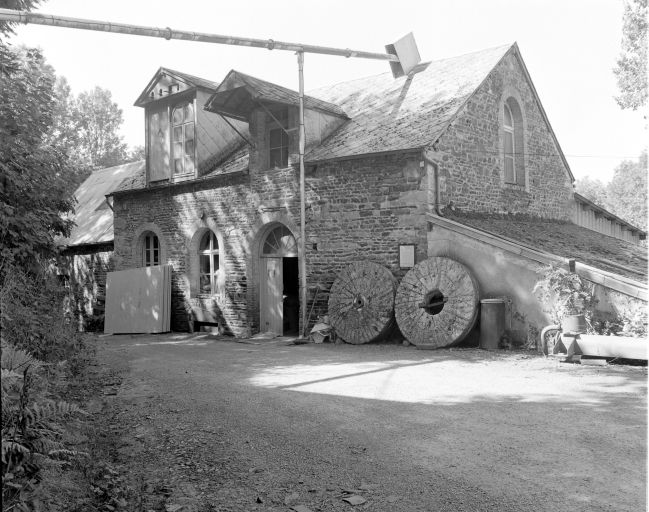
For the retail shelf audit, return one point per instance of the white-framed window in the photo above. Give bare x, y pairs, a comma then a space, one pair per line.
513, 152
150, 250
183, 146
208, 263
278, 141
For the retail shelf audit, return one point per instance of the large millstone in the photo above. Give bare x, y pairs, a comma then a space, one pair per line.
361, 302
437, 303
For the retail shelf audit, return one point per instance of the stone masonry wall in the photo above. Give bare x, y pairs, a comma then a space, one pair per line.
86, 270
470, 153
358, 209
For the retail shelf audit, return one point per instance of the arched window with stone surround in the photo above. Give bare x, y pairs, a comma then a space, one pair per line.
208, 264
513, 142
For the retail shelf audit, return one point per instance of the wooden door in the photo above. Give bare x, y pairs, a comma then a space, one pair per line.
272, 291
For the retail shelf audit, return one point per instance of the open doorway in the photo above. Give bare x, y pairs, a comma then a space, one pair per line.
291, 297
279, 283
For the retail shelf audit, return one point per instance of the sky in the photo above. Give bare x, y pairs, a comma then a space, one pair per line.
569, 46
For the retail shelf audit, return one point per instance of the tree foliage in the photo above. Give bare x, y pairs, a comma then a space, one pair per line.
625, 195
593, 189
627, 191
98, 120
33, 188
631, 69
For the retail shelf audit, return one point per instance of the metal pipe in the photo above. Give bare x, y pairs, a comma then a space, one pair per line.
438, 195
302, 248
168, 33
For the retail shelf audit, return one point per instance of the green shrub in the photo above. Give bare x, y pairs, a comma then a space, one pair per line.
563, 293
33, 427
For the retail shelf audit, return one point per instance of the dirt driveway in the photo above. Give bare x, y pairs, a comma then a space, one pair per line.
213, 424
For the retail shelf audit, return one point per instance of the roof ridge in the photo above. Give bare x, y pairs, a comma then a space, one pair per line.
142, 160
188, 75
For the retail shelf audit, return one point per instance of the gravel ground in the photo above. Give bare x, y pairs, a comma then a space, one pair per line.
208, 423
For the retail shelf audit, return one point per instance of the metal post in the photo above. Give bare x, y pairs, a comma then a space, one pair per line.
302, 248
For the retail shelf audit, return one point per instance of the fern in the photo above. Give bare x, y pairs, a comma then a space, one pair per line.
66, 454
41, 412
12, 448
16, 359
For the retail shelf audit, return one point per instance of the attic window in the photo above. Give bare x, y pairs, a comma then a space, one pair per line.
183, 147
278, 138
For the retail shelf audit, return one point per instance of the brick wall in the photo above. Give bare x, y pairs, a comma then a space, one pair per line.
470, 153
355, 209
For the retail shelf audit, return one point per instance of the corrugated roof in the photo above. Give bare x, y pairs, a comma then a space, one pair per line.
564, 239
410, 112
93, 217
265, 91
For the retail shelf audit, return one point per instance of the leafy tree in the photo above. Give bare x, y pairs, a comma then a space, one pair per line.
136, 154
32, 183
592, 189
627, 191
631, 69
98, 120
64, 135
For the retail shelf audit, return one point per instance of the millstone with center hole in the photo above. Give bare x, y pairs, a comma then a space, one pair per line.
361, 302
437, 303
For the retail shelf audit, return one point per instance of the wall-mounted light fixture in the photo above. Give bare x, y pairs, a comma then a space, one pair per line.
406, 255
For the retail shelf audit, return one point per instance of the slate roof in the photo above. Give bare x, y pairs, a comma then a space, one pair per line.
389, 114
564, 239
229, 95
93, 217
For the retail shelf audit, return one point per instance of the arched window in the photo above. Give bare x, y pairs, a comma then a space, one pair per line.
514, 162
183, 139
150, 249
280, 243
208, 255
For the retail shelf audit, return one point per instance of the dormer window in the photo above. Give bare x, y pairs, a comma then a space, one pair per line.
278, 140
183, 147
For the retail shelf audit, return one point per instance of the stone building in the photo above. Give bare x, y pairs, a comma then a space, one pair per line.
419, 161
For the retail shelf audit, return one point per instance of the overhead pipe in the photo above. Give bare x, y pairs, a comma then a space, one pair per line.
169, 33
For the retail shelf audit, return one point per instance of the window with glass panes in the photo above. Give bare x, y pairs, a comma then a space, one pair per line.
208, 262
279, 141
151, 248
183, 146
510, 145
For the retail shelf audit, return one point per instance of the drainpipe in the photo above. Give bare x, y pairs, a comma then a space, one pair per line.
302, 248
438, 194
